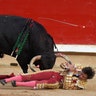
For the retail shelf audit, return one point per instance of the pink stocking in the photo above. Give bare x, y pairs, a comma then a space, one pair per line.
27, 84
16, 78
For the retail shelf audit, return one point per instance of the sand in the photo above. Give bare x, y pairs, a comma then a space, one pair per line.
86, 59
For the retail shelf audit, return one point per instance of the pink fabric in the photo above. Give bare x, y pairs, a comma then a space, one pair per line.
34, 83
27, 84
16, 78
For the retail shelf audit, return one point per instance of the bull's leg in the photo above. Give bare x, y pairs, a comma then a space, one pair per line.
23, 64
1, 54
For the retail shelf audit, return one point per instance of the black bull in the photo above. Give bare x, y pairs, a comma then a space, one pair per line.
39, 42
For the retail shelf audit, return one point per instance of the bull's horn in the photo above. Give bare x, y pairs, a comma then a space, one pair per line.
35, 58
64, 56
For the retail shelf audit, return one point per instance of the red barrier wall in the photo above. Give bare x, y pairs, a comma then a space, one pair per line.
68, 21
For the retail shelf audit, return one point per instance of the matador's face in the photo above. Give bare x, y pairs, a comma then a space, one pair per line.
83, 76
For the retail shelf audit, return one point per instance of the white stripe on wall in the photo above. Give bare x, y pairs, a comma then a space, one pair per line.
76, 48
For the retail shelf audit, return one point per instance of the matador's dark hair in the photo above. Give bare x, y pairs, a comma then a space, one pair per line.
89, 71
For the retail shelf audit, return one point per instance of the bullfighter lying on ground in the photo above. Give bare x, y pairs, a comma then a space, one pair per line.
72, 77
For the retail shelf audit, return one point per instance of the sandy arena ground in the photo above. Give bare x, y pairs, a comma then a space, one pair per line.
76, 58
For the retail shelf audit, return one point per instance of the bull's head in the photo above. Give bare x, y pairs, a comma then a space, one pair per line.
47, 61
44, 61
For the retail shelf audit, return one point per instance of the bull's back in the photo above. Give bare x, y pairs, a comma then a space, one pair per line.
10, 27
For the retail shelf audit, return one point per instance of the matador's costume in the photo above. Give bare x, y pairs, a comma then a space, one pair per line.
51, 79
47, 79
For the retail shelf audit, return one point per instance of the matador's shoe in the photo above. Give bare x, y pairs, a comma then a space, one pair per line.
3, 82
13, 83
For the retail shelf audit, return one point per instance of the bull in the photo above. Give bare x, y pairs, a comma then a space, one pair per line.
35, 42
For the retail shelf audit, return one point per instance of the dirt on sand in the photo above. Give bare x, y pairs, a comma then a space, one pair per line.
77, 58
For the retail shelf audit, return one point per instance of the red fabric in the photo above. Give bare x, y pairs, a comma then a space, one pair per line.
47, 76
6, 76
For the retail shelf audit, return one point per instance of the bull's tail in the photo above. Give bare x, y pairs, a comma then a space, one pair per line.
54, 45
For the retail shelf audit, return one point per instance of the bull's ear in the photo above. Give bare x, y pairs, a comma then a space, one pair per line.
48, 61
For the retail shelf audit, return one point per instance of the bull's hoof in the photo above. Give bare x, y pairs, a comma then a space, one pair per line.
13, 64
1, 55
